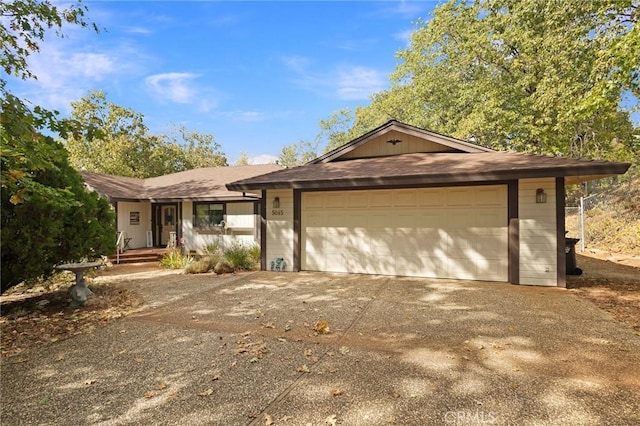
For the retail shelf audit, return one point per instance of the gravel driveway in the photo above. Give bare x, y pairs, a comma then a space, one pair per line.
322, 349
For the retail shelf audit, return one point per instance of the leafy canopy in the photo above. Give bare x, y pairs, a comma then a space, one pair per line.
116, 141
540, 76
46, 217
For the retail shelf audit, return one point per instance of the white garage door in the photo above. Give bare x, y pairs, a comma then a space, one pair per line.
457, 232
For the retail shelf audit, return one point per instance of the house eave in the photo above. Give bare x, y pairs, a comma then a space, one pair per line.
572, 175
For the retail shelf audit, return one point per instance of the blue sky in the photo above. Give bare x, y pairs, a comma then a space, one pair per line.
256, 75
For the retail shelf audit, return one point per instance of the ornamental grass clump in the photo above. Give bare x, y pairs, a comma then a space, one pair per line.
202, 265
239, 256
223, 260
174, 259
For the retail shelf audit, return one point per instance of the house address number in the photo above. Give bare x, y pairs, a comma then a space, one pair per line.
277, 212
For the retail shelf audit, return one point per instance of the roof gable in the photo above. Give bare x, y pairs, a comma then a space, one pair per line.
395, 138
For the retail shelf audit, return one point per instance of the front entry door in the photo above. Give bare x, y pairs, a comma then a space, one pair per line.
166, 221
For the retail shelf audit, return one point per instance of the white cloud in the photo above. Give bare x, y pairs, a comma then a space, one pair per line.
262, 159
347, 82
243, 116
297, 64
173, 86
66, 70
405, 36
359, 83
138, 30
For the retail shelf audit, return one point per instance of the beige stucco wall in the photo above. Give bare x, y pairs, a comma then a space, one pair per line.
137, 233
280, 227
240, 227
538, 233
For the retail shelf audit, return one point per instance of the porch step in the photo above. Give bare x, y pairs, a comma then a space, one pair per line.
139, 256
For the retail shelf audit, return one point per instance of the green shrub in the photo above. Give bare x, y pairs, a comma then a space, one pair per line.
239, 256
254, 253
174, 259
235, 257
202, 265
213, 248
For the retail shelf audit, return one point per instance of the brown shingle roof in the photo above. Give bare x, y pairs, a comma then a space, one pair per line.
429, 169
198, 184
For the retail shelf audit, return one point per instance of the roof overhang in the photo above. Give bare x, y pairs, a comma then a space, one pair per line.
423, 169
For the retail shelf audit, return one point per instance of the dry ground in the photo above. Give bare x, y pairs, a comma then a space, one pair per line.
31, 317
610, 285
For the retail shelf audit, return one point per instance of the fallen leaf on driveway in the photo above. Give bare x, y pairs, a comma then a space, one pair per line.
89, 382
149, 394
322, 327
331, 420
303, 368
268, 420
206, 393
161, 386
344, 350
336, 392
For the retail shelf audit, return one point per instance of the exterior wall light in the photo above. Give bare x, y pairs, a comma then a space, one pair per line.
276, 203
541, 196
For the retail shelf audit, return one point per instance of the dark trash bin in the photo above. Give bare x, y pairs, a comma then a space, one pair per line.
570, 250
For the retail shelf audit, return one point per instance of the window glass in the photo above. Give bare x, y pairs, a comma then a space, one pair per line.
208, 215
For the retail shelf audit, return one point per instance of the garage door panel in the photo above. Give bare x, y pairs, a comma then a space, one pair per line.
460, 197
431, 197
357, 199
380, 198
431, 220
460, 241
490, 196
490, 219
460, 219
381, 242
435, 232
406, 198
334, 262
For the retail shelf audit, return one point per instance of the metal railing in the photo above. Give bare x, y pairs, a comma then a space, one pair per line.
119, 245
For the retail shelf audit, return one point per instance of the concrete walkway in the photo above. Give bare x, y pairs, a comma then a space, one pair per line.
253, 349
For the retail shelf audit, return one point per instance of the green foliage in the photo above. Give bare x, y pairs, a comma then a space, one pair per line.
334, 132
234, 257
202, 265
254, 254
47, 215
539, 76
23, 27
239, 256
298, 154
116, 141
243, 160
174, 259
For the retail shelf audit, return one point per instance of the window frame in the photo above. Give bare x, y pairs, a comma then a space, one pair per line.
209, 227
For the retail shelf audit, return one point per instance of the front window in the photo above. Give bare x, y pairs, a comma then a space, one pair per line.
208, 215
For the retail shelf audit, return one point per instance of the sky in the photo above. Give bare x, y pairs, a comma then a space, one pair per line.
257, 75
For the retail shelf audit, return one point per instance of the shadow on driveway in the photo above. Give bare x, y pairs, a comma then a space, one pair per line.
245, 350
